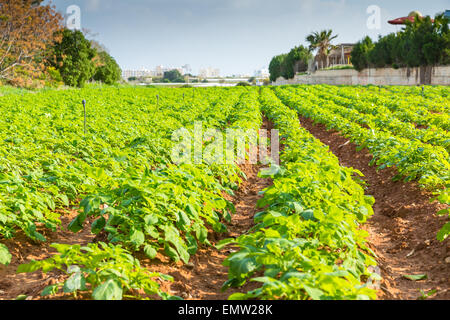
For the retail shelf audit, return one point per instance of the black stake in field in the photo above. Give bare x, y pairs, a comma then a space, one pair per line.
84, 107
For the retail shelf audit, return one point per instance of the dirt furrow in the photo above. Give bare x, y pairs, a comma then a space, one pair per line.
403, 229
23, 250
204, 276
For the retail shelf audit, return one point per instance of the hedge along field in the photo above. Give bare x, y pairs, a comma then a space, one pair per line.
307, 240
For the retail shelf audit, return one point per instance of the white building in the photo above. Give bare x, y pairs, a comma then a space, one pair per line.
262, 73
186, 69
143, 73
209, 73
157, 72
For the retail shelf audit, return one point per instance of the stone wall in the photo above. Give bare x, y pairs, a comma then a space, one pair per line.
383, 76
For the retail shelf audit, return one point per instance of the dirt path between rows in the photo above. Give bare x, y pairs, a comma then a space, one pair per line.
403, 229
204, 276
24, 250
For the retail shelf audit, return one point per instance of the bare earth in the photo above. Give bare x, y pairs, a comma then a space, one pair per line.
403, 229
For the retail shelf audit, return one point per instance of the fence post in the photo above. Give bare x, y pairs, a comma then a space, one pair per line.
84, 107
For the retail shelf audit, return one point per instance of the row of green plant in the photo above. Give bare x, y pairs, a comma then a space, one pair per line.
127, 181
436, 93
168, 209
49, 163
307, 242
413, 159
406, 108
381, 118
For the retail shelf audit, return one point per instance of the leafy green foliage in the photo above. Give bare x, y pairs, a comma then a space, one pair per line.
402, 148
122, 170
173, 76
444, 198
277, 66
73, 57
360, 53
421, 43
5, 256
108, 71
413, 159
307, 240
109, 272
286, 65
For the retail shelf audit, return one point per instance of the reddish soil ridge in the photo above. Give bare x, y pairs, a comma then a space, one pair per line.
204, 276
404, 227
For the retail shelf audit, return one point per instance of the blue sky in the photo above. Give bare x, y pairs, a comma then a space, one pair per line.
236, 36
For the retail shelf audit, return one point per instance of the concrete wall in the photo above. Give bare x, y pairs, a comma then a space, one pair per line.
383, 76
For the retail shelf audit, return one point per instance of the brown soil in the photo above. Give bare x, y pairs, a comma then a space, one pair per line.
203, 278
23, 251
403, 229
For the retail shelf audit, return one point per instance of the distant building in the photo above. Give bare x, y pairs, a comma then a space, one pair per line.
262, 73
159, 71
126, 74
186, 69
339, 56
447, 14
342, 54
209, 73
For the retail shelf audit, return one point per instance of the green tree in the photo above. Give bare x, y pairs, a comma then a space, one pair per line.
108, 71
360, 53
426, 42
173, 76
296, 61
385, 51
276, 66
321, 41
73, 57
420, 43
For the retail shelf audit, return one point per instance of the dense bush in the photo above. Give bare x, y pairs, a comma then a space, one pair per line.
108, 71
173, 76
422, 43
275, 66
287, 65
360, 53
73, 58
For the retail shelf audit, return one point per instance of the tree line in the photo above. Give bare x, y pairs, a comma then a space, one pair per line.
287, 65
36, 49
423, 42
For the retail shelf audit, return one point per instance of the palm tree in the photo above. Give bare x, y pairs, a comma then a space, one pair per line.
322, 42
